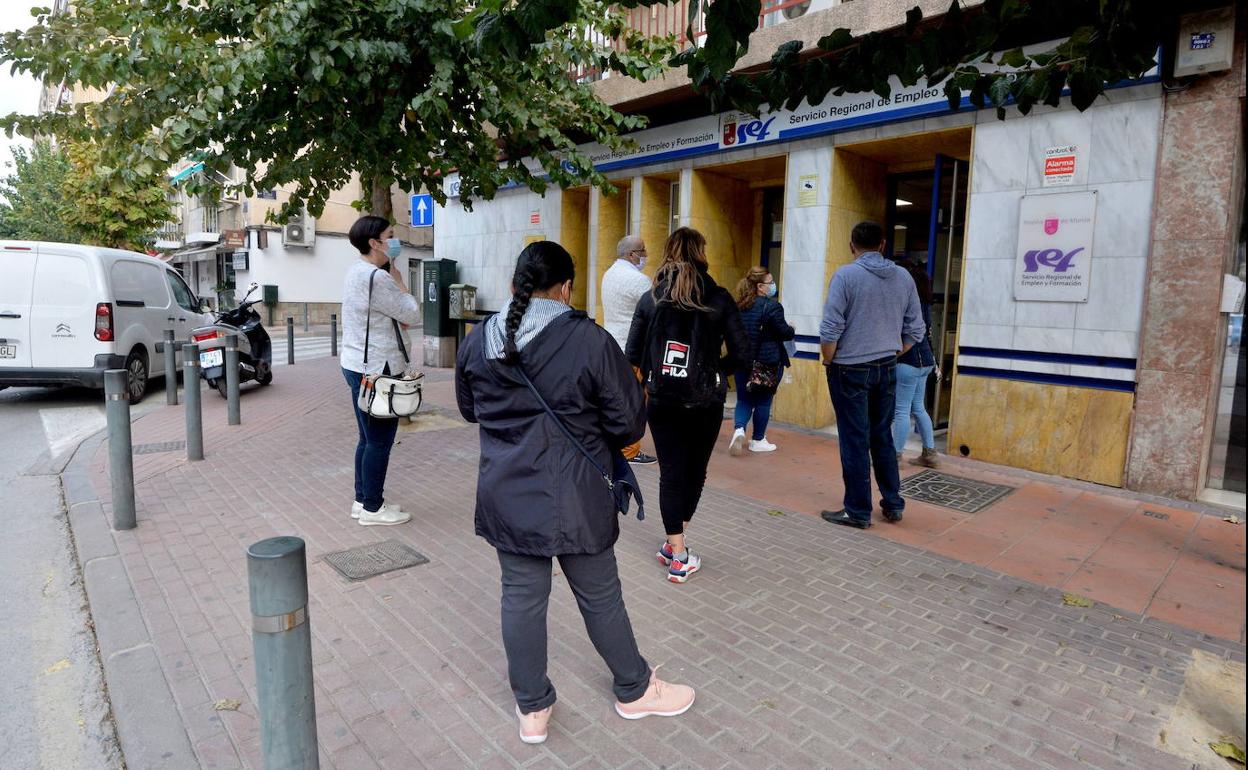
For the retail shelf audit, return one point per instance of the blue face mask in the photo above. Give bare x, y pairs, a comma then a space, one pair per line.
771, 289
393, 248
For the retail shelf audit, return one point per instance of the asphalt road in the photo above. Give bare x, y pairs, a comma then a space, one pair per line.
54, 712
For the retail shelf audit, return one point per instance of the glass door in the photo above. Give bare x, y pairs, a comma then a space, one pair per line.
946, 234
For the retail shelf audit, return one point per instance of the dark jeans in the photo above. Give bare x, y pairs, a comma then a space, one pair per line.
862, 395
372, 453
684, 440
595, 581
757, 405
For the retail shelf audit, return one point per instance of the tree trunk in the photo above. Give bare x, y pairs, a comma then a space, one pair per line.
379, 200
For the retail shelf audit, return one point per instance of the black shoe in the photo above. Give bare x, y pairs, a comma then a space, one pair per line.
644, 459
843, 518
893, 516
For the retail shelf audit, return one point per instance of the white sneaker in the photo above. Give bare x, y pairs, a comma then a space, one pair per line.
737, 444
762, 445
388, 514
357, 508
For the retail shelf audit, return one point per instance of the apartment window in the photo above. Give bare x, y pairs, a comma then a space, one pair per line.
673, 208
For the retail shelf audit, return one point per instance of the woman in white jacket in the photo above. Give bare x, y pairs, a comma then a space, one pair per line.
375, 301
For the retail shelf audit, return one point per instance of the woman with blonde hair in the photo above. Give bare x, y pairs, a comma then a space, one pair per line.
678, 331
757, 381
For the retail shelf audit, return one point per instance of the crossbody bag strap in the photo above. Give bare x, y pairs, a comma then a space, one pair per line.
368, 316
575, 441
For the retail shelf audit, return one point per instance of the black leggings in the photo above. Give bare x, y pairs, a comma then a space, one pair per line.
684, 439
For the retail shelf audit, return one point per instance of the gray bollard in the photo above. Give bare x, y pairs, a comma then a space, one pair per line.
232, 406
305, 317
333, 335
171, 368
277, 579
194, 408
120, 453
290, 341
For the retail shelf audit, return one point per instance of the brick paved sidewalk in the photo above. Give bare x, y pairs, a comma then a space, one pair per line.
810, 645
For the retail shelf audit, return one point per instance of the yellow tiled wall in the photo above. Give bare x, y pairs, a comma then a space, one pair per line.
655, 218
805, 400
722, 209
1079, 433
612, 226
574, 236
859, 191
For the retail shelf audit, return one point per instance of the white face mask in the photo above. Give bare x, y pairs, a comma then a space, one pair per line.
641, 262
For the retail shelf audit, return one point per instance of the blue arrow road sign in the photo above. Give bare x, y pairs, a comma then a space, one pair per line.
422, 210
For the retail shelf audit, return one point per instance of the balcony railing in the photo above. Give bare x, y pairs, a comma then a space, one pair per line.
673, 19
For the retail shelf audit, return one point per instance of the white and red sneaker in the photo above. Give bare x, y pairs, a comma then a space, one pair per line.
679, 571
665, 554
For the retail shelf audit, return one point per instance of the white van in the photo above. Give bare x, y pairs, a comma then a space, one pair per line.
70, 312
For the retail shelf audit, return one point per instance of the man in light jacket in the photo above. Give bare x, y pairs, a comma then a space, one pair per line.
622, 287
871, 316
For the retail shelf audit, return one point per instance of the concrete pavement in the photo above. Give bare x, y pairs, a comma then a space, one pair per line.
810, 645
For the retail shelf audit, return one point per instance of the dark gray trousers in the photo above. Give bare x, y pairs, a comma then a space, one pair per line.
595, 582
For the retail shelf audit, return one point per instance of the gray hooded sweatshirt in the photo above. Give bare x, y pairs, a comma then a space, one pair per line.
872, 307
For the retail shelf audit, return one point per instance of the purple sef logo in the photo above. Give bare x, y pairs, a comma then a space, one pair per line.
1055, 258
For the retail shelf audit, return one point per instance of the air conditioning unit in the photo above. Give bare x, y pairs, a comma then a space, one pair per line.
300, 231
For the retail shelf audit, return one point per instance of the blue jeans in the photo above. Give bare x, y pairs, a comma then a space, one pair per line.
372, 453
756, 405
862, 396
911, 393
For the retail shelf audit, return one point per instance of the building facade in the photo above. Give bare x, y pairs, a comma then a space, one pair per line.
1078, 259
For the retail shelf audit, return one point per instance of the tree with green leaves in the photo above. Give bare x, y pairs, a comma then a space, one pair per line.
308, 93
59, 192
35, 207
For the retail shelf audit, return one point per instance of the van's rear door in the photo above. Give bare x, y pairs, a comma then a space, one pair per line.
17, 277
62, 321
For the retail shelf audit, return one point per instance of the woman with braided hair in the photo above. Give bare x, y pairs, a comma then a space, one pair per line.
538, 497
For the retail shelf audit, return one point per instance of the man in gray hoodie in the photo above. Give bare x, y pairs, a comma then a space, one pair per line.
871, 316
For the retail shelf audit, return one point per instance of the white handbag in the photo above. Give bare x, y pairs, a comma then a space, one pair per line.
385, 395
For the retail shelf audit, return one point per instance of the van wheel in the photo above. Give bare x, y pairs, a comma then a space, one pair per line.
136, 375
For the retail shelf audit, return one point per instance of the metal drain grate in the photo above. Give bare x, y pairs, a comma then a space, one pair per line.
164, 446
1157, 515
375, 559
966, 495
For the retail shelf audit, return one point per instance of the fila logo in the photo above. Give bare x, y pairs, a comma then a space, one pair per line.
675, 360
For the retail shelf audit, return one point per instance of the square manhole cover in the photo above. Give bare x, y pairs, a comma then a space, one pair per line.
164, 446
966, 495
374, 559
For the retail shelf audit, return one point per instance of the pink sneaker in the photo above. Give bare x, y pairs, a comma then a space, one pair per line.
662, 699
665, 554
533, 725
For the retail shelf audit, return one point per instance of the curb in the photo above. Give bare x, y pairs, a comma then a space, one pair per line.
149, 728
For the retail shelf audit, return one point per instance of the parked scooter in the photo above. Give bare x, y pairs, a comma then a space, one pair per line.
255, 349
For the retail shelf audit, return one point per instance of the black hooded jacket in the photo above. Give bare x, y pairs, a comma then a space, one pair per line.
536, 494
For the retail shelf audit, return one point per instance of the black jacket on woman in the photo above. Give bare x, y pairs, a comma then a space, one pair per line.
658, 325
768, 331
536, 494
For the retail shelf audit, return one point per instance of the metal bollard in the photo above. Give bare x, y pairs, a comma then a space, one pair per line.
290, 341
333, 335
305, 317
232, 407
120, 453
277, 579
171, 368
194, 408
